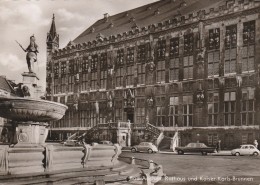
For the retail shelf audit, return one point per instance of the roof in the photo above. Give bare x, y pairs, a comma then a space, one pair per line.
5, 85
52, 34
144, 16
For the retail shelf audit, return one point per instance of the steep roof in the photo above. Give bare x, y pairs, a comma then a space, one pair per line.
5, 85
143, 16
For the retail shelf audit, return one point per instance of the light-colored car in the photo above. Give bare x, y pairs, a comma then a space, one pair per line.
106, 142
72, 142
246, 150
145, 147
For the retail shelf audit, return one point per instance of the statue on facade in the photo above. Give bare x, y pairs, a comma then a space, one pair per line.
31, 55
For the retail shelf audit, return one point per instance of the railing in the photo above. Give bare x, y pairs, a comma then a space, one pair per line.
159, 139
153, 129
112, 125
175, 141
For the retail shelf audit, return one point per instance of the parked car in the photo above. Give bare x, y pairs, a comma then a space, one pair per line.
246, 150
145, 147
106, 142
72, 142
195, 148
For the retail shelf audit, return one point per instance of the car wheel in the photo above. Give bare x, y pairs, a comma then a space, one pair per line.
133, 150
255, 154
204, 153
237, 154
150, 151
180, 152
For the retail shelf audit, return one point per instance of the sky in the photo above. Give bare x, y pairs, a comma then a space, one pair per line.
19, 19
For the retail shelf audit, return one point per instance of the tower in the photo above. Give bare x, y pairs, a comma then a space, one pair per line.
52, 38
52, 44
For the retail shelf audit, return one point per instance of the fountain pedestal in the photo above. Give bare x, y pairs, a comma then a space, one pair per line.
31, 133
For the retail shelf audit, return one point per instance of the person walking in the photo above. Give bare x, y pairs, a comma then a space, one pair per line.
218, 148
256, 143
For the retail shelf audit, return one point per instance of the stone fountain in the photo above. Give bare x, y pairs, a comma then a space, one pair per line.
29, 160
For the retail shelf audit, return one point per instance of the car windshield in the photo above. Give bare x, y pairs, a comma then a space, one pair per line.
191, 145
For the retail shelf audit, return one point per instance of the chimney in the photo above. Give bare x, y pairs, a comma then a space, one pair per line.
106, 15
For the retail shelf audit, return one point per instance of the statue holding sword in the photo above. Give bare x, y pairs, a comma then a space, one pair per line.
31, 55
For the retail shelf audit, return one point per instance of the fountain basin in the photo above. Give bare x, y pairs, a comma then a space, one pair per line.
28, 109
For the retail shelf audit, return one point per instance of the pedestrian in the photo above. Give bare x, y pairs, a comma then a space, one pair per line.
218, 148
256, 143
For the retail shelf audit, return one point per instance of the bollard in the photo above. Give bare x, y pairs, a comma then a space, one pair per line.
151, 165
133, 160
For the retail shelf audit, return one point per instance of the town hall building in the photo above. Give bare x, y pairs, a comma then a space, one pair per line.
186, 66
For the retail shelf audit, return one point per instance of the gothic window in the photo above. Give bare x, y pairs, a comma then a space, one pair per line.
174, 69
187, 111
174, 61
141, 73
249, 32
213, 83
118, 110
188, 44
229, 108
130, 75
83, 118
71, 67
213, 53
103, 79
94, 62
120, 57
213, 63
56, 86
188, 67
247, 108
214, 37
93, 80
103, 61
119, 76
173, 112
213, 109
71, 84
56, 70
230, 49
102, 112
93, 114
140, 110
63, 68
161, 49
85, 65
188, 56
130, 55
160, 77
174, 47
84, 83
160, 111
142, 53
248, 49
63, 84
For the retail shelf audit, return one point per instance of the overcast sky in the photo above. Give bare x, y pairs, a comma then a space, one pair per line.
19, 19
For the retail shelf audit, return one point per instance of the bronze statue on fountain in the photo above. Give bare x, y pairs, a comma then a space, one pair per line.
31, 55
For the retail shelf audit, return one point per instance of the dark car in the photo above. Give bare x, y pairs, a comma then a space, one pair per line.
195, 148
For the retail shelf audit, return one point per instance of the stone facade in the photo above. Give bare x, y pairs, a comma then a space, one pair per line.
197, 73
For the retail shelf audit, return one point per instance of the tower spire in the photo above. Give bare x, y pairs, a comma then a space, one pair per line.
53, 28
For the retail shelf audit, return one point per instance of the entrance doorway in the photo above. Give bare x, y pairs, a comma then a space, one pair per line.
130, 116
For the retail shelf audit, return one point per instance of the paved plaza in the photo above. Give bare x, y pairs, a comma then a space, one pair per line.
216, 169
